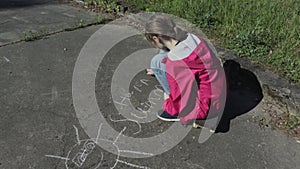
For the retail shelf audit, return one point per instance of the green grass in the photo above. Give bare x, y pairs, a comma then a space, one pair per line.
76, 26
265, 31
31, 36
108, 5
292, 121
98, 20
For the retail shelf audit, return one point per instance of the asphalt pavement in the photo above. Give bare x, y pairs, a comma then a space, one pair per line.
40, 127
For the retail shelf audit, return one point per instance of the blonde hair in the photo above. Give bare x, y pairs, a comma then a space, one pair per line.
162, 25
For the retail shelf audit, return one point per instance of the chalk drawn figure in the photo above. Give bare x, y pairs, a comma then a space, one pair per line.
86, 154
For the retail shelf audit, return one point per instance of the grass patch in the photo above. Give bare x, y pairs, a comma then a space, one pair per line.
288, 123
266, 32
98, 20
108, 6
292, 121
31, 36
77, 26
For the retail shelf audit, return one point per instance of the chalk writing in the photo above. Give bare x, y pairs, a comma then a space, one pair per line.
144, 81
124, 97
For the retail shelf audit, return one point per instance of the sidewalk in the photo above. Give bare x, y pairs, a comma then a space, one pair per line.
38, 115
38, 19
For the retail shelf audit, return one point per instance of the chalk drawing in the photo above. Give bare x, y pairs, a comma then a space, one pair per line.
54, 95
151, 102
125, 101
90, 144
139, 117
81, 156
144, 81
138, 85
145, 108
124, 97
77, 134
122, 120
6, 59
136, 88
54, 92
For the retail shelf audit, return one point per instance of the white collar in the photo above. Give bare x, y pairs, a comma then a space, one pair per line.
184, 48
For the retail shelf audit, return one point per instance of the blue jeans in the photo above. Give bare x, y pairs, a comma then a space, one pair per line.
159, 70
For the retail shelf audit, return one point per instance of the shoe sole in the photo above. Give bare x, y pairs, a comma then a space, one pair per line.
165, 119
195, 125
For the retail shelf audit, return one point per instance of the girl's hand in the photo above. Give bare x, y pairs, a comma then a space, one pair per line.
166, 96
149, 72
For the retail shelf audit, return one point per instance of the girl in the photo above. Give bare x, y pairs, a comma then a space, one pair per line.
190, 74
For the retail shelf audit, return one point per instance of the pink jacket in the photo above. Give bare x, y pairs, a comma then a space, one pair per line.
196, 79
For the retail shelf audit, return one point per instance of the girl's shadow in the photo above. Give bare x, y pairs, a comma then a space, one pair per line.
244, 93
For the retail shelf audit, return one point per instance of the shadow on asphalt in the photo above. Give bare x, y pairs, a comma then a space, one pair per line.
244, 93
7, 4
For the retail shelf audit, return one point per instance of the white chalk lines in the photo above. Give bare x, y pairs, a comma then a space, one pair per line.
88, 146
77, 157
125, 100
122, 120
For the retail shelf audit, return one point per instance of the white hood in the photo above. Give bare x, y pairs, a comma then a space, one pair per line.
184, 48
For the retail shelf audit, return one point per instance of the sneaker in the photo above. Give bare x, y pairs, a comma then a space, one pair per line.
163, 115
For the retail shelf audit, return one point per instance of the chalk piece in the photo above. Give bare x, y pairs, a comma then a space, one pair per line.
6, 59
